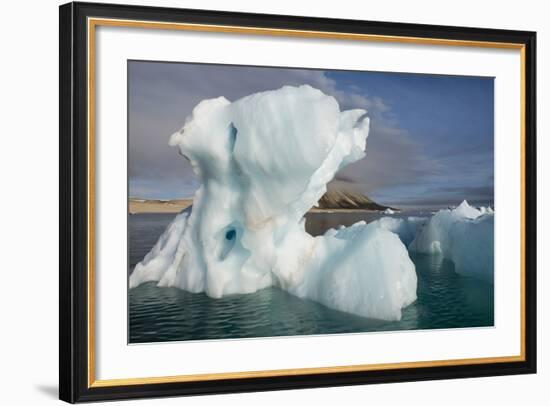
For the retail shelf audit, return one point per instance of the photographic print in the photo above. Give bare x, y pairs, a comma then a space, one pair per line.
268, 201
295, 202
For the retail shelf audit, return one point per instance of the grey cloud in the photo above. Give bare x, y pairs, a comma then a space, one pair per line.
162, 95
392, 159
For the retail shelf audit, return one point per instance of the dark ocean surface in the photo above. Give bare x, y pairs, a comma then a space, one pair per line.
445, 298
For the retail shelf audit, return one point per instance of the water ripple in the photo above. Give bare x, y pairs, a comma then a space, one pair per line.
445, 300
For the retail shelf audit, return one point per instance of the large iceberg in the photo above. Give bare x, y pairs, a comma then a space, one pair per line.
464, 235
263, 162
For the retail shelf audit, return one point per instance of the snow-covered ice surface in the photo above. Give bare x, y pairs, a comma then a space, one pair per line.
464, 235
263, 162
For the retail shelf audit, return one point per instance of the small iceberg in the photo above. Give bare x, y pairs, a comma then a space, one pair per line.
465, 235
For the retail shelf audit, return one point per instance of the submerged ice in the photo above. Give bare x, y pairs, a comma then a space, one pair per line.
263, 161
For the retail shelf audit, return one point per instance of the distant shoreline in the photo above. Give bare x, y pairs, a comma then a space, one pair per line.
142, 206
317, 210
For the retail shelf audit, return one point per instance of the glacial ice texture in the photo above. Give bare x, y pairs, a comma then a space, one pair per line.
263, 161
465, 235
405, 228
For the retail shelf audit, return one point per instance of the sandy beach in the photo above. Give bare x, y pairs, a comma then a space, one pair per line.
157, 206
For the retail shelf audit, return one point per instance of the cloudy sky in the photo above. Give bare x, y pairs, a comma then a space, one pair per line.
430, 143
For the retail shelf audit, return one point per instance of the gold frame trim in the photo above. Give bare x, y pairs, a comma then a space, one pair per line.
94, 22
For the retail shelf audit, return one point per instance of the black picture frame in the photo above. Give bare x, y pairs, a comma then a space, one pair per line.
74, 383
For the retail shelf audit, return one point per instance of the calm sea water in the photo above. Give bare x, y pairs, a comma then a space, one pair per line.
445, 299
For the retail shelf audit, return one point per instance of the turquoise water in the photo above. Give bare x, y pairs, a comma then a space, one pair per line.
445, 300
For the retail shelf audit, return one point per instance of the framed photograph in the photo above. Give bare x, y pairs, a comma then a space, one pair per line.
258, 202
